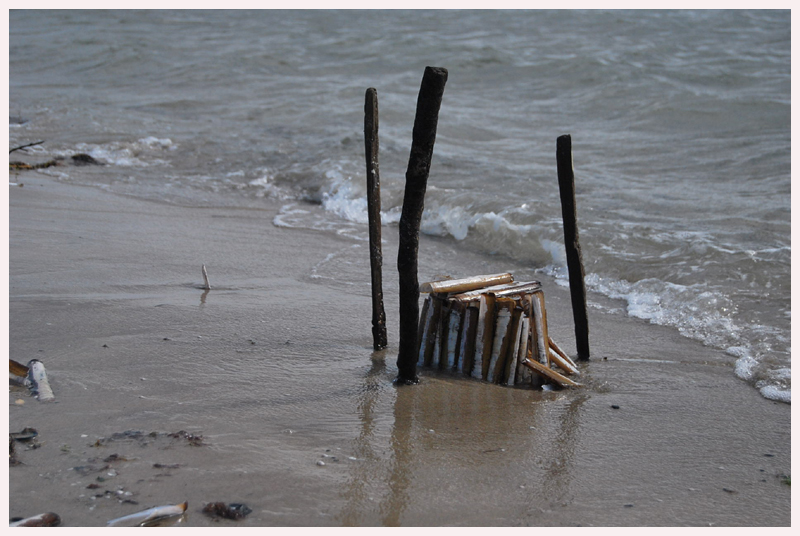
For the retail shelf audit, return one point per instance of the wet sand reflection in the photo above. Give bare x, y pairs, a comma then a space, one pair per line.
476, 441
369, 465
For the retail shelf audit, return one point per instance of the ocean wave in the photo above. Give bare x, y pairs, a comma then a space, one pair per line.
698, 311
143, 152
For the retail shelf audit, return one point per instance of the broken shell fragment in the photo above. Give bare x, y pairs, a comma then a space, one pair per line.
48, 519
151, 517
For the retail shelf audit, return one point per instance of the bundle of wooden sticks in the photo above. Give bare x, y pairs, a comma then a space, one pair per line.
491, 328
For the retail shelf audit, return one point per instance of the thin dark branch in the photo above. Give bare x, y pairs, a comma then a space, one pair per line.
419, 165
24, 146
371, 145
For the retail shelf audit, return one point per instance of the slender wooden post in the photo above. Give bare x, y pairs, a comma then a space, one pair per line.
577, 287
419, 165
374, 215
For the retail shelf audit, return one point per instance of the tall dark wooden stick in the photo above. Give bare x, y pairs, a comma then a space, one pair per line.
577, 287
419, 165
374, 215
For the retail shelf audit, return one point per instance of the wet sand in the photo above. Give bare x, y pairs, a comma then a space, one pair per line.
293, 414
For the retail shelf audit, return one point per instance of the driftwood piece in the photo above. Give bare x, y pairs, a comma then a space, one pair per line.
540, 326
424, 321
428, 346
550, 373
485, 336
419, 164
577, 286
562, 359
23, 166
504, 289
454, 336
25, 146
562, 364
440, 356
493, 334
523, 374
510, 365
469, 329
466, 284
518, 289
371, 145
501, 340
527, 304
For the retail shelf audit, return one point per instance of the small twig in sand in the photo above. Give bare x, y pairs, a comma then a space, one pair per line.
205, 278
24, 146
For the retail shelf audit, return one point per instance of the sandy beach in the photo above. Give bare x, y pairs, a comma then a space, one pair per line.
266, 391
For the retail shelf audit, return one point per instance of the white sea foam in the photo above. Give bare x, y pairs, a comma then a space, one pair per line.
492, 231
341, 202
558, 253
291, 216
265, 187
774, 393
287, 216
746, 364
140, 153
696, 311
264, 180
315, 268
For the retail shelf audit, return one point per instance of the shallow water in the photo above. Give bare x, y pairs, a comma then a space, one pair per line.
274, 370
680, 122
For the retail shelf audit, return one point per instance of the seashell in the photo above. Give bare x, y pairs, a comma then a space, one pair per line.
151, 517
48, 519
37, 376
25, 435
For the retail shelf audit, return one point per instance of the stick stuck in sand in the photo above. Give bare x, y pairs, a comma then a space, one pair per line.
419, 164
205, 279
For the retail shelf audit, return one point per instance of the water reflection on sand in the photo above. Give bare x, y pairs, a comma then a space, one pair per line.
452, 441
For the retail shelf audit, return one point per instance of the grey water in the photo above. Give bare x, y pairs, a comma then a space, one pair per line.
680, 125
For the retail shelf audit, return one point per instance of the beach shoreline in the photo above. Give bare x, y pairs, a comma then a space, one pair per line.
299, 418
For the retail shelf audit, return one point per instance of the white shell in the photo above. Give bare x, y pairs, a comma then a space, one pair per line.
150, 515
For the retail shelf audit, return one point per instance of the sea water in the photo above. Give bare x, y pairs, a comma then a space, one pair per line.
680, 126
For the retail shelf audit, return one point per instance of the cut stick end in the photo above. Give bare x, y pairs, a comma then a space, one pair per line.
206, 284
